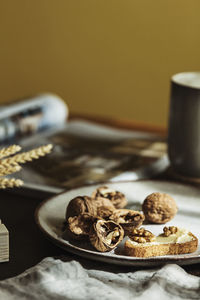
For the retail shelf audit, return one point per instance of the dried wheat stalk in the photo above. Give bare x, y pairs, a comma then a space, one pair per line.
6, 166
27, 156
10, 183
10, 165
9, 151
10, 169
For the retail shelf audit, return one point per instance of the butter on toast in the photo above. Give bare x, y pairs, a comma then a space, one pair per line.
181, 242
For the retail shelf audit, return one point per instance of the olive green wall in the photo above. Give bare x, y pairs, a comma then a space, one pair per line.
106, 57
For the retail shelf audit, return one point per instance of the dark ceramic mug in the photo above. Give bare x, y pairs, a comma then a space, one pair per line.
184, 124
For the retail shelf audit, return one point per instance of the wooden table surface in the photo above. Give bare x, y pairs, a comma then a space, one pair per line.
27, 244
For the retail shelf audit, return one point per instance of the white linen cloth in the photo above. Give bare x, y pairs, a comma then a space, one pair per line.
56, 279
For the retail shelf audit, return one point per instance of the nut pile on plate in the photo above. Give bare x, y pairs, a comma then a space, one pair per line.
104, 221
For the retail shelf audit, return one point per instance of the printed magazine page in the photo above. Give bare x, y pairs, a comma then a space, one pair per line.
85, 153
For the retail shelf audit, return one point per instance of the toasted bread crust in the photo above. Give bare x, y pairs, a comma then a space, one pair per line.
161, 249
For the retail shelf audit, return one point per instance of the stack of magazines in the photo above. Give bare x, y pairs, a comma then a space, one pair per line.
84, 152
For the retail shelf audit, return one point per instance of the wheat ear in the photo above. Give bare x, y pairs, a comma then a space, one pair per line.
10, 183
6, 166
9, 151
9, 170
27, 156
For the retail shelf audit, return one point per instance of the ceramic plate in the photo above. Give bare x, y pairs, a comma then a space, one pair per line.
50, 216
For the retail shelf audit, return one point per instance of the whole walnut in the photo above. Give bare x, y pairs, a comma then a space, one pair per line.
86, 205
159, 208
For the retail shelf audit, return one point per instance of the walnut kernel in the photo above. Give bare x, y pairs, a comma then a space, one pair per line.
167, 231
142, 235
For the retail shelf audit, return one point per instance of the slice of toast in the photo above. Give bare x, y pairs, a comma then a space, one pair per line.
181, 242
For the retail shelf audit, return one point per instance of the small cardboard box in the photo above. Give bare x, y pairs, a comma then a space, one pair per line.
4, 243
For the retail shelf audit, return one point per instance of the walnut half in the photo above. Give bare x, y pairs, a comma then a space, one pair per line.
78, 227
128, 219
105, 235
117, 198
141, 236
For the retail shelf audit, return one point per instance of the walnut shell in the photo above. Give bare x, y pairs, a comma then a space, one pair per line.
85, 205
105, 235
104, 207
128, 219
117, 198
78, 227
159, 208
79, 205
